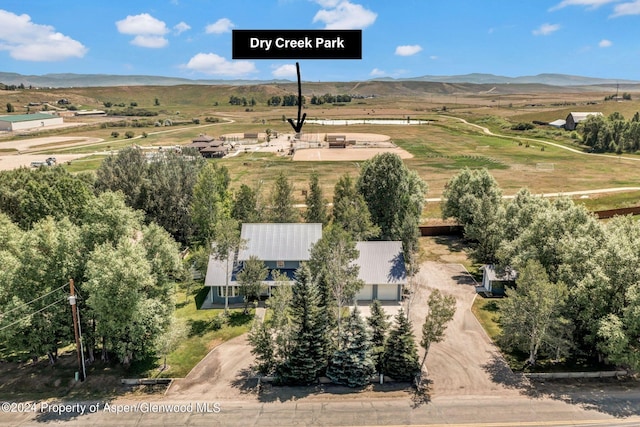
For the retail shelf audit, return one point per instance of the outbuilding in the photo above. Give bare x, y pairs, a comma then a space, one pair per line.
28, 121
574, 118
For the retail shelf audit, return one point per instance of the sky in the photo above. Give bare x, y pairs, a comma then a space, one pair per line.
400, 39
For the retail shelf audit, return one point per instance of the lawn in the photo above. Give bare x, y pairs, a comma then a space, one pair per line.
206, 329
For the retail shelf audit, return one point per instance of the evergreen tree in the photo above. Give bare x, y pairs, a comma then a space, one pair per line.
246, 205
307, 357
262, 348
378, 321
400, 358
316, 204
282, 209
352, 364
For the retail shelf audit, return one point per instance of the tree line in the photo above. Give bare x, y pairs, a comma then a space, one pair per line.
578, 286
611, 134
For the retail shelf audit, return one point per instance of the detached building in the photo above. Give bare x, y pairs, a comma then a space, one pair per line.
28, 121
574, 118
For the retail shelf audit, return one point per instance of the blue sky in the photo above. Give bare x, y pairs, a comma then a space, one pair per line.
401, 39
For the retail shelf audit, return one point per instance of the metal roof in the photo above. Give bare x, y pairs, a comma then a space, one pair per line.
217, 271
26, 117
279, 241
381, 262
494, 275
580, 116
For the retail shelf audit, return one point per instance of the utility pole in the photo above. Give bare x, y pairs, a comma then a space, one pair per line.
76, 330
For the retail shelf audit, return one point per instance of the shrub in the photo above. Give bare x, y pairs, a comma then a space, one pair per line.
129, 134
115, 134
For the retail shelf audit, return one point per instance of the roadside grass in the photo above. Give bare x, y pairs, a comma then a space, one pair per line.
487, 311
597, 202
86, 164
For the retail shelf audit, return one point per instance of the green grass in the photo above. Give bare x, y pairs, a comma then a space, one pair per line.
86, 164
207, 329
599, 202
487, 312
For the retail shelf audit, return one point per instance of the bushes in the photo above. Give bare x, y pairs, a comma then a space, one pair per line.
522, 126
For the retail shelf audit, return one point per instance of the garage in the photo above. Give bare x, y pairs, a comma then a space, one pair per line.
365, 294
388, 292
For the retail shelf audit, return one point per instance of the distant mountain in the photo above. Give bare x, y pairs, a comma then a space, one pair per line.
546, 79
95, 80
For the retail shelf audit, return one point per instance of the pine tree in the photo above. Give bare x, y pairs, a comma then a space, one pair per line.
262, 348
307, 357
379, 324
282, 209
352, 364
400, 358
316, 204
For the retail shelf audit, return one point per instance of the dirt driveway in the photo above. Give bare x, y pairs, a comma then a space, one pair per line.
466, 362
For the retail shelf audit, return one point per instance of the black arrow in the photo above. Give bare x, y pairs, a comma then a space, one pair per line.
298, 126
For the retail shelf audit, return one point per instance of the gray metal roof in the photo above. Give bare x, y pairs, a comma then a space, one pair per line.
381, 262
494, 275
217, 271
279, 241
580, 116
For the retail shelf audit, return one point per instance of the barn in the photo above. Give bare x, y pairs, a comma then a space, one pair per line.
28, 121
574, 118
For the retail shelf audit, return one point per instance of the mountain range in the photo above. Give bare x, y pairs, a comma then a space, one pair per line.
66, 80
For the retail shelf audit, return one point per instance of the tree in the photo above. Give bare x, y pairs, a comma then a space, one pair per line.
250, 280
352, 364
227, 243
441, 311
211, 201
10, 108
530, 310
379, 324
332, 266
474, 199
262, 347
400, 358
306, 357
316, 204
281, 209
350, 211
169, 340
392, 192
127, 172
246, 206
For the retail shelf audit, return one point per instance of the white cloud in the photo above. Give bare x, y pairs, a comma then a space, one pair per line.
344, 15
605, 43
148, 30
210, 63
28, 41
408, 50
376, 72
181, 28
152, 42
287, 70
222, 25
630, 8
434, 57
591, 4
141, 24
546, 29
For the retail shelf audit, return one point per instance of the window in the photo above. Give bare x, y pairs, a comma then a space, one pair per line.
280, 264
233, 291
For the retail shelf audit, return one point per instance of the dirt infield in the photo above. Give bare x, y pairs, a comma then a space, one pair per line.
345, 154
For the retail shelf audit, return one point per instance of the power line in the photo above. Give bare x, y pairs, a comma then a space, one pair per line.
29, 302
31, 314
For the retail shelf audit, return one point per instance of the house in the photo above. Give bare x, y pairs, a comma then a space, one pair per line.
382, 269
281, 246
495, 281
28, 121
284, 246
574, 118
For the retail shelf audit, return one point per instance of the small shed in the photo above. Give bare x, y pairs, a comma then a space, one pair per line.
576, 117
495, 280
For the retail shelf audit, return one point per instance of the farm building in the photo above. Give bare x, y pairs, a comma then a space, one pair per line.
574, 118
28, 121
208, 146
283, 247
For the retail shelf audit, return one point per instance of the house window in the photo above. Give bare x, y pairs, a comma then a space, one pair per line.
233, 291
280, 264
